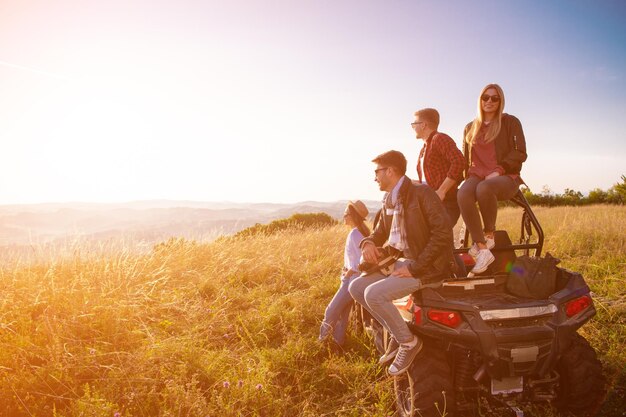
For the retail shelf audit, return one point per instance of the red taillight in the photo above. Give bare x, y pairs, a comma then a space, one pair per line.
577, 305
417, 315
447, 318
468, 261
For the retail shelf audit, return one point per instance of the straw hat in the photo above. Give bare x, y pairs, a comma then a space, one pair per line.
360, 208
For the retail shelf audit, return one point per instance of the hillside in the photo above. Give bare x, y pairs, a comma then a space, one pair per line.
22, 226
229, 328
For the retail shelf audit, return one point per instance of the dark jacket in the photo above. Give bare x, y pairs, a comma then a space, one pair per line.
428, 230
510, 145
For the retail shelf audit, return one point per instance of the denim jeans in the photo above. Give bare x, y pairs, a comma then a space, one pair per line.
376, 293
486, 193
337, 313
451, 205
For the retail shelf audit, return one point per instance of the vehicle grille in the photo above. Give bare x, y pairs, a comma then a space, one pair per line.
514, 323
521, 367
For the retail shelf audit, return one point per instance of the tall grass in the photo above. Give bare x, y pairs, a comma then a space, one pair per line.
229, 328
192, 329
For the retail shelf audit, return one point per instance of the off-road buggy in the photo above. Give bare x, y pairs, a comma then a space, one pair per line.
487, 347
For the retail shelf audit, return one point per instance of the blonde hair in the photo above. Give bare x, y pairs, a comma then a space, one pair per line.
496, 123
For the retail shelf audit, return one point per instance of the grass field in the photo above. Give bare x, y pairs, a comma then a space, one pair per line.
229, 328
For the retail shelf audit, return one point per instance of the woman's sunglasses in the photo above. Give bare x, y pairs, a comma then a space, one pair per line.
486, 97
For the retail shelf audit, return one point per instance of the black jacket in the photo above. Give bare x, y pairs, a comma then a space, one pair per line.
428, 230
510, 145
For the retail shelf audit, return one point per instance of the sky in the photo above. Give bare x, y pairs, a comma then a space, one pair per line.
288, 101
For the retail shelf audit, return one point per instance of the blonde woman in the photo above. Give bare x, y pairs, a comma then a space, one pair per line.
338, 310
494, 149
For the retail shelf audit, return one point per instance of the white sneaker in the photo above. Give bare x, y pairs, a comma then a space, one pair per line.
483, 260
473, 251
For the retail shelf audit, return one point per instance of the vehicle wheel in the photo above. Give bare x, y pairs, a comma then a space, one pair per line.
582, 383
370, 326
357, 320
426, 388
380, 335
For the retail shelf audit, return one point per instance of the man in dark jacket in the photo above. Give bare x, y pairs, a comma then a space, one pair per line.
415, 226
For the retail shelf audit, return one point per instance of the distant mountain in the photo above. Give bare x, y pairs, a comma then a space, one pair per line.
147, 204
146, 221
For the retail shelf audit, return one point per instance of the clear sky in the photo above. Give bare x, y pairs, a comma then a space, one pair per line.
285, 101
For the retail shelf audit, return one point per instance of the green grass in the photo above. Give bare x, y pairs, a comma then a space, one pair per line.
229, 328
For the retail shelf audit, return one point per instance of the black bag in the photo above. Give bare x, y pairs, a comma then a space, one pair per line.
385, 264
533, 277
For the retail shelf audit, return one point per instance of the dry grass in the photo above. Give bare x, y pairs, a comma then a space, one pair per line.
229, 328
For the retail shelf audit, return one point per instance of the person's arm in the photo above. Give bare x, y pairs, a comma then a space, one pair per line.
440, 238
369, 245
354, 252
466, 151
445, 186
512, 161
454, 155
447, 148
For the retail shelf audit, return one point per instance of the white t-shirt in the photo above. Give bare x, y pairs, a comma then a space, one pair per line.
352, 252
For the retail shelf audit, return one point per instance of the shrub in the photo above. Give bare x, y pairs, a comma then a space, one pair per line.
615, 195
298, 220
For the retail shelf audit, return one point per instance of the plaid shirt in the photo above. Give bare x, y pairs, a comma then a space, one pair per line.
440, 158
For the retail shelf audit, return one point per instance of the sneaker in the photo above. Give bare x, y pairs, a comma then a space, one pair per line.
390, 353
473, 251
483, 260
404, 357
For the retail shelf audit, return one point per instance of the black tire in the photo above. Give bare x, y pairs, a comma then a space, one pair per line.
426, 389
582, 383
371, 327
357, 321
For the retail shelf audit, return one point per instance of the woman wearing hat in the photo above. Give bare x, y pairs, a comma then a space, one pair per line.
338, 310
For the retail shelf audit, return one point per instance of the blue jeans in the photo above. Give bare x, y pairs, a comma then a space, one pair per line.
376, 293
338, 312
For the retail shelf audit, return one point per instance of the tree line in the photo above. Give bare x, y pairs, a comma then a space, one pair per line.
614, 195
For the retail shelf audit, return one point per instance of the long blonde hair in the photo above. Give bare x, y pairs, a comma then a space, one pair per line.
496, 123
